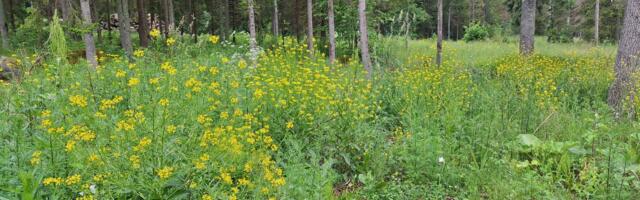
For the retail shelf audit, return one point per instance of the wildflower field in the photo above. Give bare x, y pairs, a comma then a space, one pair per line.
203, 121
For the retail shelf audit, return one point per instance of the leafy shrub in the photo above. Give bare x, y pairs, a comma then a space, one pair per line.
33, 32
475, 31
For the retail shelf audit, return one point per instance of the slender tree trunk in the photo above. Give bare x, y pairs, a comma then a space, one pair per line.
449, 22
332, 33
252, 34
596, 36
487, 12
3, 27
90, 46
364, 37
165, 18
439, 45
143, 26
225, 19
211, 4
275, 22
623, 91
310, 26
124, 25
189, 18
527, 27
194, 26
11, 15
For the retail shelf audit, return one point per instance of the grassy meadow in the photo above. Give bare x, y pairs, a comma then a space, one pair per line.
184, 120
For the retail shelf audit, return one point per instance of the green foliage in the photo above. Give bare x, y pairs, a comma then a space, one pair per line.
32, 33
57, 42
475, 31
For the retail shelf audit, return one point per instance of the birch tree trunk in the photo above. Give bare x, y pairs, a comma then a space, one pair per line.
275, 22
90, 46
252, 34
527, 27
3, 27
596, 33
310, 26
623, 91
364, 37
143, 26
332, 33
439, 45
123, 26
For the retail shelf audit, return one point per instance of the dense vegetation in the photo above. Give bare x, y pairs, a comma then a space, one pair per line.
208, 115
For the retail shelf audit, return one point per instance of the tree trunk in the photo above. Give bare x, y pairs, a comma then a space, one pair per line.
65, 9
364, 37
172, 16
225, 21
211, 7
332, 33
90, 46
449, 23
252, 34
596, 36
124, 25
527, 27
487, 12
310, 26
623, 91
275, 22
439, 45
194, 26
3, 27
143, 26
165, 18
189, 18
11, 15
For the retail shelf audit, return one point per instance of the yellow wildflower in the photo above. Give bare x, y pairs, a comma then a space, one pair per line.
165, 172
78, 100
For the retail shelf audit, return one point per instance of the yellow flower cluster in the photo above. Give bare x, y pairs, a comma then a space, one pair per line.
214, 39
78, 100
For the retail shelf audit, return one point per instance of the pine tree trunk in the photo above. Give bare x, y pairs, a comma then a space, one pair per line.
449, 22
11, 15
275, 22
211, 4
165, 18
439, 45
623, 91
225, 19
364, 37
3, 27
65, 8
527, 27
332, 33
143, 26
310, 26
189, 17
487, 12
194, 26
90, 46
124, 25
596, 36
252, 34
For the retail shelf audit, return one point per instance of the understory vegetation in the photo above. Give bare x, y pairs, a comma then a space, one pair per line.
186, 120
